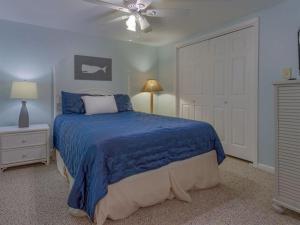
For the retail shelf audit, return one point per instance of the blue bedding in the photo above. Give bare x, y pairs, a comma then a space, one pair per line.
102, 149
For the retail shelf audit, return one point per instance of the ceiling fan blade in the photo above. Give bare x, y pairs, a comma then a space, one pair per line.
143, 23
149, 29
143, 4
115, 20
166, 12
109, 5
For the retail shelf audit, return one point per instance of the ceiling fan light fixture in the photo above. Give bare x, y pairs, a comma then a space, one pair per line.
131, 23
143, 22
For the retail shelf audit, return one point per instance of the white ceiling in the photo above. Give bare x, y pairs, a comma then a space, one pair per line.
83, 17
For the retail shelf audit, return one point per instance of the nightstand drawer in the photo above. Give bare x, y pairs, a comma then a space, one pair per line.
23, 155
22, 139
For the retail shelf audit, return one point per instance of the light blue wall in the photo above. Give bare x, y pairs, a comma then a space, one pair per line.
278, 49
29, 52
167, 76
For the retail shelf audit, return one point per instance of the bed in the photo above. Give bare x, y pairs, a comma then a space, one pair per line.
118, 162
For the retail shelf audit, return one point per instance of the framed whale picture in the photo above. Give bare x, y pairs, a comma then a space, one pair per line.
92, 68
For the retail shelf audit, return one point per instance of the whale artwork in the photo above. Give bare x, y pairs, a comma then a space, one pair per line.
92, 68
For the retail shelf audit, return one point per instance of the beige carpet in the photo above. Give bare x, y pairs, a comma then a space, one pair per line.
37, 195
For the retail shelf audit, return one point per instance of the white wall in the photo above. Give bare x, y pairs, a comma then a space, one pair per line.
278, 49
29, 52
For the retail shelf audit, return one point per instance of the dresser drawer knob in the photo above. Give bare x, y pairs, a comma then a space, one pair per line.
24, 156
23, 141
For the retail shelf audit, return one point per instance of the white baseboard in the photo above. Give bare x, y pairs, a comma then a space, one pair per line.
266, 168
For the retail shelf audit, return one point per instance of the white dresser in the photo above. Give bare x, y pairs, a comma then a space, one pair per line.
20, 146
287, 163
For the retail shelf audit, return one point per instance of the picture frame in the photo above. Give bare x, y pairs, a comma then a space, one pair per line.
92, 68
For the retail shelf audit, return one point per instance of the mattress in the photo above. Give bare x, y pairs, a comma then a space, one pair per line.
103, 149
171, 181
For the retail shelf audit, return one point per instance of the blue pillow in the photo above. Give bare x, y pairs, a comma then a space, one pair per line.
72, 103
123, 103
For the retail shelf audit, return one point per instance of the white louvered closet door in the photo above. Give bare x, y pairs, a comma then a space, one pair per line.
288, 144
218, 84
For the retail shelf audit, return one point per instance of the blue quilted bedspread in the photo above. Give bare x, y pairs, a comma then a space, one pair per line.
99, 150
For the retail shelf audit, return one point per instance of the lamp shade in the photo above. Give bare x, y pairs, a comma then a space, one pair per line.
24, 90
152, 86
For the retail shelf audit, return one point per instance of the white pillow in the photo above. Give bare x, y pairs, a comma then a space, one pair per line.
99, 104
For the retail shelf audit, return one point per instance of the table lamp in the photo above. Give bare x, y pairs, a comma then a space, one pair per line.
23, 90
152, 86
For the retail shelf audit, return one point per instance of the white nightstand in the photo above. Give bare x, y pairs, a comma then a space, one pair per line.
20, 146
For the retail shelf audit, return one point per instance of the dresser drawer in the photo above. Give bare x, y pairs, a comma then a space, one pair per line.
23, 154
22, 139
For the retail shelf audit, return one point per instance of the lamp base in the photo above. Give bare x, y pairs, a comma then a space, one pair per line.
151, 102
23, 117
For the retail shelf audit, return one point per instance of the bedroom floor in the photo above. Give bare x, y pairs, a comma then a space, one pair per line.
36, 195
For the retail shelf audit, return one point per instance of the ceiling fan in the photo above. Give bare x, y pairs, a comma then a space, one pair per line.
137, 11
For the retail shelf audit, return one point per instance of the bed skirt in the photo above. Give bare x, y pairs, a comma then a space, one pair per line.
152, 187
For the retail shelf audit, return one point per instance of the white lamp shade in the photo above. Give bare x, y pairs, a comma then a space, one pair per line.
24, 90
